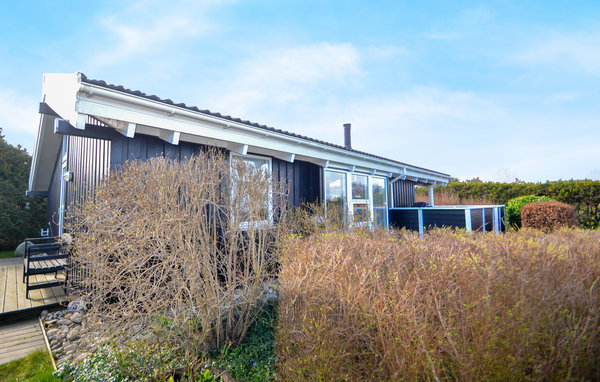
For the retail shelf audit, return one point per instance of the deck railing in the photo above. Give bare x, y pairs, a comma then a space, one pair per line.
490, 218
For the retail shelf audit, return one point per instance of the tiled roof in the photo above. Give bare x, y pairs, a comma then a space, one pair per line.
167, 101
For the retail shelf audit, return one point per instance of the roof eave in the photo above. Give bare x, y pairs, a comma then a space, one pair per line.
88, 91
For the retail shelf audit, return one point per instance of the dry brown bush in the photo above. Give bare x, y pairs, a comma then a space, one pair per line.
548, 215
166, 245
453, 306
446, 198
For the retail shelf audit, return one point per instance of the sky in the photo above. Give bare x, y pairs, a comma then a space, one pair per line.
490, 90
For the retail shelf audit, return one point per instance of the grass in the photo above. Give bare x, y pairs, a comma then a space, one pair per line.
254, 359
6, 254
34, 367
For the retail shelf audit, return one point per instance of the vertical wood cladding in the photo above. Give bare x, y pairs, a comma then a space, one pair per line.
443, 218
408, 219
144, 147
89, 160
404, 193
303, 180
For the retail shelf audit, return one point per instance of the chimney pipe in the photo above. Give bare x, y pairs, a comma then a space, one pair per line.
347, 137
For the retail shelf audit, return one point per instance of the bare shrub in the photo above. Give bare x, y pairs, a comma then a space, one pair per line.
447, 198
548, 215
182, 247
453, 306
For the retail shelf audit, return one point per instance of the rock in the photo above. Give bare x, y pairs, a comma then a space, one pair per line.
70, 348
51, 332
77, 318
68, 316
63, 321
43, 314
80, 357
20, 250
76, 306
73, 334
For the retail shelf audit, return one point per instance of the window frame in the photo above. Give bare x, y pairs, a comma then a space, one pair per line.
350, 202
246, 225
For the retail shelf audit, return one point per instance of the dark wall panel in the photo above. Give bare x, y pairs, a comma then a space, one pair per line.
476, 219
408, 219
143, 147
403, 193
89, 160
301, 178
443, 218
489, 219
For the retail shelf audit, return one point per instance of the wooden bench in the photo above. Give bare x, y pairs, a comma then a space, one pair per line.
43, 256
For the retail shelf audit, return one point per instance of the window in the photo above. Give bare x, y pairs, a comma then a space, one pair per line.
380, 213
247, 208
335, 195
365, 200
359, 186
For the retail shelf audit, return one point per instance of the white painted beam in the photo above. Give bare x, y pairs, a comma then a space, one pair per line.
129, 131
81, 120
238, 149
169, 136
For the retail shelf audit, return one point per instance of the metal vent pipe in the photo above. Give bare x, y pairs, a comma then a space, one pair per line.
347, 136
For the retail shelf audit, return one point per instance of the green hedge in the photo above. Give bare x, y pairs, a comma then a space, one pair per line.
583, 195
513, 207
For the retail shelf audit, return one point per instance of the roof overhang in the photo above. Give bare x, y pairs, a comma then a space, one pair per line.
129, 114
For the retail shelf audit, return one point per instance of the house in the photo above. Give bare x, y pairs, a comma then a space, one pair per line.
88, 127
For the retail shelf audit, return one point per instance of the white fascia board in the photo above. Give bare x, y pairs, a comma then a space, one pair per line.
107, 103
61, 91
45, 151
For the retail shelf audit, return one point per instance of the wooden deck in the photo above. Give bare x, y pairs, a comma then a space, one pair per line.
12, 290
19, 338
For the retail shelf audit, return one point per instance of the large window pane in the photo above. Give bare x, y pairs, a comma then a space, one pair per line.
251, 200
335, 193
378, 192
359, 186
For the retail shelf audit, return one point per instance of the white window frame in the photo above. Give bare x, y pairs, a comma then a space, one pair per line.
246, 225
350, 202
385, 199
325, 186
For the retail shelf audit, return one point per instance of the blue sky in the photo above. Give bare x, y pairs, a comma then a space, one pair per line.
495, 90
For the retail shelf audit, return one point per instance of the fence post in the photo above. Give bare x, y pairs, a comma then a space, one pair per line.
420, 216
468, 225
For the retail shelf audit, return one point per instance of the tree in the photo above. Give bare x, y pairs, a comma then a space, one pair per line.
20, 216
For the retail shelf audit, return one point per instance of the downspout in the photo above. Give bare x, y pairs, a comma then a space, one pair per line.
63, 187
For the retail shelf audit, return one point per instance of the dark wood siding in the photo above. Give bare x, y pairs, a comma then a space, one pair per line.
89, 160
143, 147
403, 193
408, 219
54, 196
303, 180
476, 219
489, 219
443, 218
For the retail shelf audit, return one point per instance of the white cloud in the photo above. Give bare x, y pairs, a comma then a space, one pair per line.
18, 118
150, 27
575, 51
287, 75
